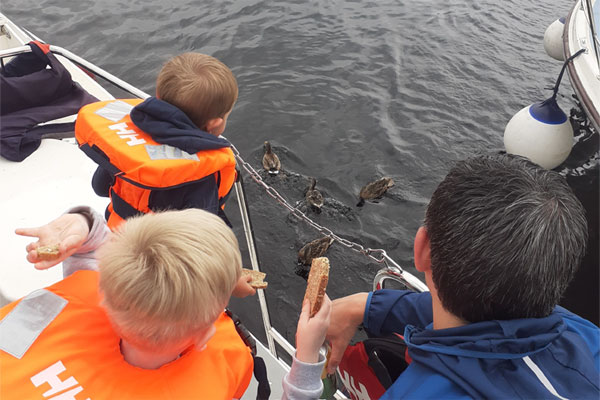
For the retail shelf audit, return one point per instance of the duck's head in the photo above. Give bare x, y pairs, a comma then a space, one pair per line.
267, 147
389, 182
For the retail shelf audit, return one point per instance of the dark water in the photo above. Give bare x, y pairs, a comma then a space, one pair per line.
346, 91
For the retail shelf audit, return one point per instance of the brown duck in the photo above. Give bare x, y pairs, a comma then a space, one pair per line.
374, 190
270, 160
313, 197
314, 249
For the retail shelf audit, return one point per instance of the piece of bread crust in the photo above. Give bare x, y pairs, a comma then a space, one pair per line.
48, 253
257, 278
317, 283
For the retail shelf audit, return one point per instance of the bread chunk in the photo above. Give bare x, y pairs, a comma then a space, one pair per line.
317, 283
257, 278
48, 252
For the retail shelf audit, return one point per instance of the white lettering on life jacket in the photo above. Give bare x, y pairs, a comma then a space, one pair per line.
125, 133
348, 381
50, 376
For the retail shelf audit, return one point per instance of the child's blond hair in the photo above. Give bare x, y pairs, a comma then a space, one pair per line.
166, 277
200, 85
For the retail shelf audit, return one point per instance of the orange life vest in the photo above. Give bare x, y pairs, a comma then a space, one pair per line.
77, 355
105, 132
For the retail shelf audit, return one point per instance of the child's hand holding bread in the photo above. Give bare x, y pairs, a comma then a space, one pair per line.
316, 311
57, 240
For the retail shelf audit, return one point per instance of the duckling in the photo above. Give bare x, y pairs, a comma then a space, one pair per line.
314, 249
374, 190
270, 160
313, 197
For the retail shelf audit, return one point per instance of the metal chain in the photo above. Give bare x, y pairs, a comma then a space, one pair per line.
377, 255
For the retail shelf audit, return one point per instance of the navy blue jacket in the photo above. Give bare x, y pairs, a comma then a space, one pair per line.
167, 124
31, 93
536, 358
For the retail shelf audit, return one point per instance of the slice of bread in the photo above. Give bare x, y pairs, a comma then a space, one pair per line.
317, 283
257, 278
48, 252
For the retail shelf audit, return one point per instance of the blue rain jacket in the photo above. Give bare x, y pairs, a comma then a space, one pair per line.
535, 358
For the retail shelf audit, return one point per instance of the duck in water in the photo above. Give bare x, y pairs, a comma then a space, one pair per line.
314, 198
314, 249
270, 160
374, 190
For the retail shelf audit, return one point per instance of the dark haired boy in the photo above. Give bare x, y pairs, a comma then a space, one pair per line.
501, 241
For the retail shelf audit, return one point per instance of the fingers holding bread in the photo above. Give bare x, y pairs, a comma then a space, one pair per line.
257, 278
317, 283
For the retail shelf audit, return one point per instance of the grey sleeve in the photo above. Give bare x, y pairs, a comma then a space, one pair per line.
84, 257
303, 382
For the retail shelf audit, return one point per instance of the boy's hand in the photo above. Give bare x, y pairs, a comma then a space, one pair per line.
310, 334
69, 231
242, 287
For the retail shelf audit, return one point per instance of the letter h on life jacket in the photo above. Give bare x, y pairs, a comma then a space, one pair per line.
50, 376
125, 133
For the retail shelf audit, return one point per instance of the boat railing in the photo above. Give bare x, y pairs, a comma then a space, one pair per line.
121, 84
391, 270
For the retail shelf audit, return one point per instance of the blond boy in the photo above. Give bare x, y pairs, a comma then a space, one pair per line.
148, 324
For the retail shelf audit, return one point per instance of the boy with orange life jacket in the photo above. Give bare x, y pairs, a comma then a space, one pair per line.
164, 152
149, 324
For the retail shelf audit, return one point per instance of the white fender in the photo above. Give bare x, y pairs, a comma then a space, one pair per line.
553, 39
541, 132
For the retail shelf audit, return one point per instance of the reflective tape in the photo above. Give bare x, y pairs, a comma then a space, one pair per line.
166, 152
115, 111
22, 326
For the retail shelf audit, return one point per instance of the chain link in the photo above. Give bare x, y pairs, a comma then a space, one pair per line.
377, 255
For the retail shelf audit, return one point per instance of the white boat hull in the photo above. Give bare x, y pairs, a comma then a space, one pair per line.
584, 72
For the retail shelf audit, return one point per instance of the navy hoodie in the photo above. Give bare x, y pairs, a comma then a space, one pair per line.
168, 125
536, 358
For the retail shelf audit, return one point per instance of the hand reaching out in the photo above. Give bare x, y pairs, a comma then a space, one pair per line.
69, 231
242, 287
347, 314
310, 334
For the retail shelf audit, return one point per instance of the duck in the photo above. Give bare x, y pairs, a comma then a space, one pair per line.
314, 249
313, 197
270, 160
374, 190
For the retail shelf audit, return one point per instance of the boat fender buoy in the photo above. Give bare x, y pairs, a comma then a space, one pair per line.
553, 39
541, 132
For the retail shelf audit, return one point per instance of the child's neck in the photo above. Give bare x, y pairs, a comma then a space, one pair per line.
147, 359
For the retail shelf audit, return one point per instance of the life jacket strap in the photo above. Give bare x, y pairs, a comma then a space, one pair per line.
100, 158
122, 208
260, 369
263, 392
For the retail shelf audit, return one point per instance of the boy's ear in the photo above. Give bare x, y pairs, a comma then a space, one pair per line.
204, 337
422, 250
213, 124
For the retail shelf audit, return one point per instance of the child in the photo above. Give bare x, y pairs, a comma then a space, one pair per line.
149, 324
165, 152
